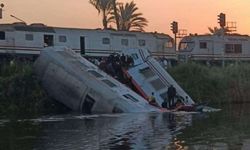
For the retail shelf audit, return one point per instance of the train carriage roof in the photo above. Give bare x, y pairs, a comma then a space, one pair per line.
39, 27
35, 29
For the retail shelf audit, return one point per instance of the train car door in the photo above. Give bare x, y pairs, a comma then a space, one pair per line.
88, 105
82, 45
48, 40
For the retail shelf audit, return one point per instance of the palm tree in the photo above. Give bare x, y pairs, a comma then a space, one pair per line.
105, 7
116, 13
129, 19
218, 31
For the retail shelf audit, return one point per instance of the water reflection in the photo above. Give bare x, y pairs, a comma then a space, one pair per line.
228, 129
125, 131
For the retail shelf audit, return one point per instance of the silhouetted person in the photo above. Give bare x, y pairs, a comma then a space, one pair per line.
122, 59
171, 95
130, 61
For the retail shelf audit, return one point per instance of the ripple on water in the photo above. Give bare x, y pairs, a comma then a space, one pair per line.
2, 122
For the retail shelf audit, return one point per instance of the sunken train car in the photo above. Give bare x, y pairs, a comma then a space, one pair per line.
80, 85
21, 39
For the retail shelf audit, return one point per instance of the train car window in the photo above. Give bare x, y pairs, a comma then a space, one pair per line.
124, 42
29, 37
142, 42
96, 74
117, 110
233, 48
169, 44
147, 73
164, 95
105, 41
109, 83
229, 48
203, 45
62, 39
186, 46
183, 46
157, 84
132, 98
134, 56
238, 48
2, 35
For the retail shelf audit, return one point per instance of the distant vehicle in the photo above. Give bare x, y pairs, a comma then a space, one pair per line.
215, 47
22, 39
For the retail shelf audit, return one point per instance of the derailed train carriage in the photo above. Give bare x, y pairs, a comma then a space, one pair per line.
83, 87
21, 39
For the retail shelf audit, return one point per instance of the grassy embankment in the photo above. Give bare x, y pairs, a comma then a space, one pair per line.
219, 85
21, 95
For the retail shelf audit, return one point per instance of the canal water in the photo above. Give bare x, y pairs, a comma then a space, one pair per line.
227, 129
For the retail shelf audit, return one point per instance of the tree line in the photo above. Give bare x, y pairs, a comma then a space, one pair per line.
124, 15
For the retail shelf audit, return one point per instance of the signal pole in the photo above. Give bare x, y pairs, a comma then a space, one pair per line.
222, 22
174, 28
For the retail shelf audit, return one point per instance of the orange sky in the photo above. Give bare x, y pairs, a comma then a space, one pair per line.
194, 15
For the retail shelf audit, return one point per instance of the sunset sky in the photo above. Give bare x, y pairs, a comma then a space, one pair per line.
194, 15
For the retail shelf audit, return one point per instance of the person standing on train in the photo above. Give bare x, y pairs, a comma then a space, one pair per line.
171, 95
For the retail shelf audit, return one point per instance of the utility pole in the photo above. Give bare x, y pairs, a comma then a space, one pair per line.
17, 18
174, 28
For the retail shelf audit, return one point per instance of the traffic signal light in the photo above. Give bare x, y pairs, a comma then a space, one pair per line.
222, 20
174, 27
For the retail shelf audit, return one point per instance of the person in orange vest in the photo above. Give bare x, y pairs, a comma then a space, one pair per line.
152, 100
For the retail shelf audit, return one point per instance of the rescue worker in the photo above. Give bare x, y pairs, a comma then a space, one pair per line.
152, 100
171, 95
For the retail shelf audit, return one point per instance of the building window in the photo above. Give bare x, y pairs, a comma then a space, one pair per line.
2, 35
29, 37
203, 45
142, 43
62, 38
124, 42
105, 41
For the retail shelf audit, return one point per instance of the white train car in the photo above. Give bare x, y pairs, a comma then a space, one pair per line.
215, 47
19, 38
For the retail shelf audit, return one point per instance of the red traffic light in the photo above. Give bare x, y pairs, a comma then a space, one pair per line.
222, 19
174, 27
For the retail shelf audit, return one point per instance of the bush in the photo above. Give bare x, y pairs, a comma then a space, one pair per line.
21, 95
214, 84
